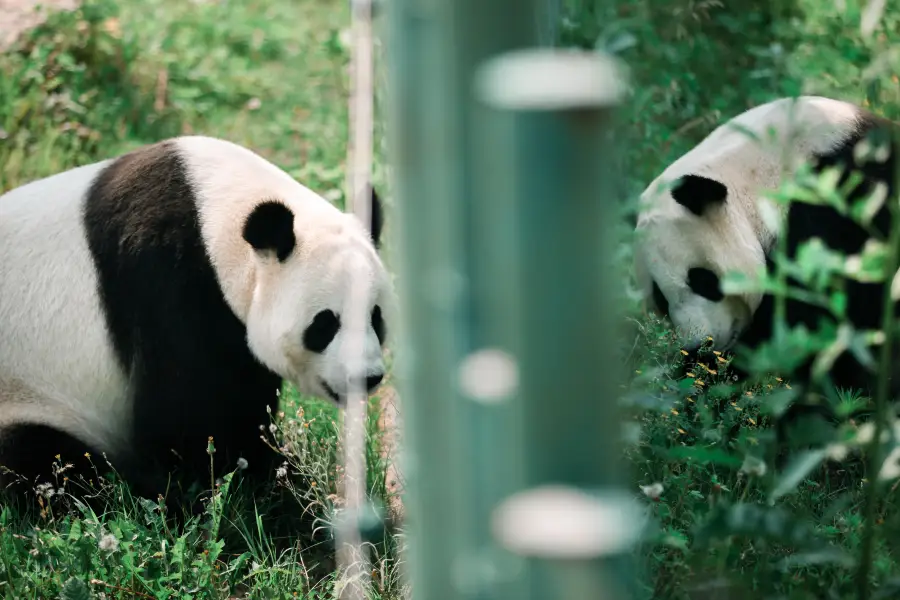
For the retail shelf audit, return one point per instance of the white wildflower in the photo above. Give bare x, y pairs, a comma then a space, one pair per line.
109, 543
753, 466
273, 428
242, 463
890, 469
281, 471
837, 452
653, 491
865, 433
45, 489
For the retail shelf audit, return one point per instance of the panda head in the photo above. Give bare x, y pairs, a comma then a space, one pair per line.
316, 279
704, 216
684, 248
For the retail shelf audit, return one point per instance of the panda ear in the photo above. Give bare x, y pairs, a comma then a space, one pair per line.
697, 193
270, 229
376, 218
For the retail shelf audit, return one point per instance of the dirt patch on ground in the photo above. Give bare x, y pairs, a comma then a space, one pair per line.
392, 426
18, 15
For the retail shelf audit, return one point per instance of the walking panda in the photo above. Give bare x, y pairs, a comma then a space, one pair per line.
153, 300
701, 218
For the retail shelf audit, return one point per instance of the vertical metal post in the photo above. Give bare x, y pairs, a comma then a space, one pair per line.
555, 112
455, 287
426, 248
548, 14
468, 232
571, 520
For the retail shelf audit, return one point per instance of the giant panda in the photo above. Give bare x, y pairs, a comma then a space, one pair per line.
702, 217
151, 301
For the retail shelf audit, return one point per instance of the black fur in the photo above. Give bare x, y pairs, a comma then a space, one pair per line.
697, 193
321, 331
805, 221
659, 299
705, 283
183, 349
270, 228
377, 219
378, 324
29, 450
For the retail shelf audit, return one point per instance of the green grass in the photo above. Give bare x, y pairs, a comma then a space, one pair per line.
270, 75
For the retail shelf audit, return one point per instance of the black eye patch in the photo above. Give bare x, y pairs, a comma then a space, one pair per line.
321, 331
662, 305
378, 324
705, 284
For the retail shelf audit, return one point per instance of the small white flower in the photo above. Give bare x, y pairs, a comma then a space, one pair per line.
865, 433
890, 469
242, 463
273, 428
753, 466
653, 491
837, 452
281, 471
45, 489
109, 543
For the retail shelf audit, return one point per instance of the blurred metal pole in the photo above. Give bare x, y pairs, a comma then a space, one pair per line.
464, 306
426, 248
554, 121
548, 15
455, 287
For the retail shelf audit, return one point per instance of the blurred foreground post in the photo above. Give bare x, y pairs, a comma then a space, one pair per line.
555, 112
501, 243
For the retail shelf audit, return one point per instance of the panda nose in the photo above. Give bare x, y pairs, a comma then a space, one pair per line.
372, 381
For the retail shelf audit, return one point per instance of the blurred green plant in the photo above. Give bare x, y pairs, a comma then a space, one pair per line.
757, 485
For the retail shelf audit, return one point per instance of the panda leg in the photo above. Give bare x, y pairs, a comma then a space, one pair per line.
33, 456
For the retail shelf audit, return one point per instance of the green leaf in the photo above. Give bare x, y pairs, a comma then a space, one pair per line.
675, 539
755, 521
799, 468
75, 589
75, 531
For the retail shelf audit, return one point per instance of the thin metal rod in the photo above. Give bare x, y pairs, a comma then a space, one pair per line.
352, 556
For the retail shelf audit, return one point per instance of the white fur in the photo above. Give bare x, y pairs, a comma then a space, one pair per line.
55, 358
56, 363
736, 237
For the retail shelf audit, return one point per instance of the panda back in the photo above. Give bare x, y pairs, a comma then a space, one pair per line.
54, 347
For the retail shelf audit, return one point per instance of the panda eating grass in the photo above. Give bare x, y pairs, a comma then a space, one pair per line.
702, 218
151, 301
